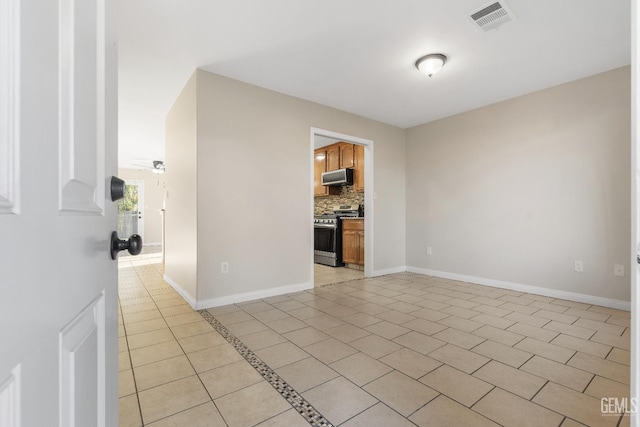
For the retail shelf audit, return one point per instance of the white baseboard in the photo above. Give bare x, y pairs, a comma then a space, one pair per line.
554, 293
384, 272
184, 294
250, 296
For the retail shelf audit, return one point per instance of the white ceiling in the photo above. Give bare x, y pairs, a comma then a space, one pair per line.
356, 55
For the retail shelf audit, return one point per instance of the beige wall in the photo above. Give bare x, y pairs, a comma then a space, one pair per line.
254, 196
153, 201
181, 224
518, 190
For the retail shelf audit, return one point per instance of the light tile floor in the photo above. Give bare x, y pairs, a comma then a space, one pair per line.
325, 275
398, 350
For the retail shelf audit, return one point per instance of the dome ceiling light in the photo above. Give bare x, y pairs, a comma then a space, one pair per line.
431, 64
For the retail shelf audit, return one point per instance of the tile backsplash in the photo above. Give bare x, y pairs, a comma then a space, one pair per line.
325, 204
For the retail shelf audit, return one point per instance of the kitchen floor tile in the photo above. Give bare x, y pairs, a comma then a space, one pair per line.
281, 354
330, 350
419, 342
129, 412
456, 322
499, 335
459, 338
502, 353
214, 357
168, 399
602, 367
201, 342
620, 356
306, 374
496, 322
514, 380
603, 387
622, 342
288, 418
263, 339
579, 344
423, 326
266, 402
411, 362
229, 378
379, 415
510, 410
558, 373
339, 399
205, 415
306, 336
360, 368
572, 330
578, 406
459, 358
535, 332
387, 330
544, 349
155, 353
375, 346
443, 411
400, 392
162, 372
457, 385
347, 333
283, 326
126, 384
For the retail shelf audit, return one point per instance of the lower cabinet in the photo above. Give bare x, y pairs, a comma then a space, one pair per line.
353, 241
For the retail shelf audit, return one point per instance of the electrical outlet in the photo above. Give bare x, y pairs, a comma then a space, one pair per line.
618, 270
224, 267
428, 250
578, 267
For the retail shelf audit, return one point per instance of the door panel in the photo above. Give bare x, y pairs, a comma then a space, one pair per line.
58, 284
81, 126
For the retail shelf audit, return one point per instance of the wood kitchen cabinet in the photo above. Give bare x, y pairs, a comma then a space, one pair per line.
346, 155
333, 157
353, 241
320, 166
358, 168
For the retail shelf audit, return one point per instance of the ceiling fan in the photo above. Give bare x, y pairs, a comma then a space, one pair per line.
156, 166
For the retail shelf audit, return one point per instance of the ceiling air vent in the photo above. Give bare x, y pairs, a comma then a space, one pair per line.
492, 16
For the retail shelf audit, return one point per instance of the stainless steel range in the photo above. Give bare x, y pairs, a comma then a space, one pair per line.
327, 235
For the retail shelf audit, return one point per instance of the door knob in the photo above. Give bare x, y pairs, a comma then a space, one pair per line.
133, 245
117, 188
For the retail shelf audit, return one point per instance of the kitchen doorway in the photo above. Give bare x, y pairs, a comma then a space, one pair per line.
353, 248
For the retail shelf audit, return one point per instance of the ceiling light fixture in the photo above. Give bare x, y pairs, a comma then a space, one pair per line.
431, 64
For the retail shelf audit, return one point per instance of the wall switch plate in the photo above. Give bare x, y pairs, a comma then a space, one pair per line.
224, 267
578, 267
618, 270
428, 250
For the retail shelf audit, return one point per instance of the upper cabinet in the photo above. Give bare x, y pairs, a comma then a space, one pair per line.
320, 160
346, 155
341, 155
358, 165
333, 157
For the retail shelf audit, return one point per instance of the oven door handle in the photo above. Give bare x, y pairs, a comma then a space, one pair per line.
325, 226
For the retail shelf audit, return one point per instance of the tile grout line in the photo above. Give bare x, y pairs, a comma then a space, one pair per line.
295, 399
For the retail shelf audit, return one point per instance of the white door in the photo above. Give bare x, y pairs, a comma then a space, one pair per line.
58, 285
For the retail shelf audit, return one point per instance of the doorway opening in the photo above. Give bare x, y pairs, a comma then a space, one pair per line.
131, 209
352, 245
